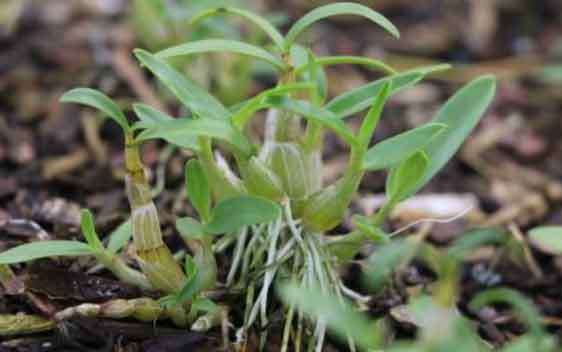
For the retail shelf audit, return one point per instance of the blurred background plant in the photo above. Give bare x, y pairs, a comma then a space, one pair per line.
161, 24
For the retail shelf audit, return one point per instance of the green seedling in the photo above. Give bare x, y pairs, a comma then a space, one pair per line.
269, 203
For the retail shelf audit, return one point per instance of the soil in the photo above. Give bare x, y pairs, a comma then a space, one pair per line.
56, 159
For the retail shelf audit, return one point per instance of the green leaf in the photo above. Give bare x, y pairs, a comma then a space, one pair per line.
98, 100
340, 318
222, 45
189, 228
393, 150
89, 230
341, 8
361, 98
120, 236
188, 128
257, 20
234, 213
313, 72
373, 64
151, 118
316, 114
245, 111
548, 238
198, 190
191, 287
371, 120
188, 92
44, 249
402, 180
461, 114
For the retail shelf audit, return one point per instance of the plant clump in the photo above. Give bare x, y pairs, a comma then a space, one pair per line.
264, 198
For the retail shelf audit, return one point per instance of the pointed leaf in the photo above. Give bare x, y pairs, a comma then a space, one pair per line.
373, 116
188, 92
198, 190
98, 100
151, 118
188, 128
393, 150
257, 20
44, 249
403, 179
222, 45
89, 230
361, 98
234, 213
461, 114
342, 8
120, 237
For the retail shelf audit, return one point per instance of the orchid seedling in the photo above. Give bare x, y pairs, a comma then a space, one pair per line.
264, 198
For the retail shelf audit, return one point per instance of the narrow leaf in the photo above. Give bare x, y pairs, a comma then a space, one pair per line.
403, 179
393, 150
222, 45
461, 114
361, 98
188, 128
371, 120
120, 237
44, 249
340, 318
373, 64
151, 118
188, 92
342, 8
89, 230
198, 190
234, 213
257, 20
98, 100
